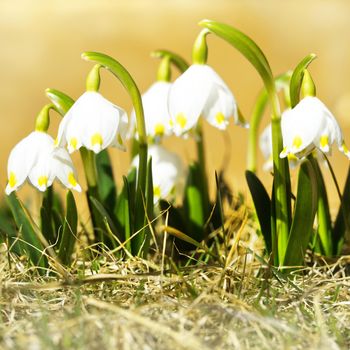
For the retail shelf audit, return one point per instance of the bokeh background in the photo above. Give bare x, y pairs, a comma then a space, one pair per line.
41, 43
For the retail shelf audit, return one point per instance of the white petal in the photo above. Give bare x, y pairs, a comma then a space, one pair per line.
24, 156
63, 169
219, 107
187, 97
92, 121
122, 131
167, 170
301, 126
155, 105
265, 142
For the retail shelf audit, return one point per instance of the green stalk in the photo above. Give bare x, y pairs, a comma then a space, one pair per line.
281, 179
281, 82
202, 168
129, 84
324, 229
254, 129
256, 57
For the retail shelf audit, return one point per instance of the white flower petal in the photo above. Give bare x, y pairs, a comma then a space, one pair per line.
167, 171
122, 131
219, 107
187, 98
155, 106
64, 170
301, 126
91, 122
23, 157
33, 158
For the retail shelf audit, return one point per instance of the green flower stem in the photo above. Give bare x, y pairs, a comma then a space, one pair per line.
200, 48
42, 121
129, 84
256, 57
89, 163
254, 129
281, 82
176, 60
281, 183
164, 72
202, 166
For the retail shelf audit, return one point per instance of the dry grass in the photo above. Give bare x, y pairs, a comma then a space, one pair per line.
135, 305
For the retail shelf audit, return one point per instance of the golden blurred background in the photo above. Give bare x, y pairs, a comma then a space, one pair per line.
41, 43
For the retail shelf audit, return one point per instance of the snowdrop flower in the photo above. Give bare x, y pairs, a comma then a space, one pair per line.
308, 125
167, 171
155, 106
200, 91
93, 122
265, 145
37, 159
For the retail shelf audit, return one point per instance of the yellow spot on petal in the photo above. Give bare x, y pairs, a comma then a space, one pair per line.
283, 153
56, 142
159, 129
156, 191
42, 181
292, 157
96, 139
12, 179
345, 148
181, 120
171, 123
120, 140
71, 179
323, 141
297, 142
220, 118
73, 143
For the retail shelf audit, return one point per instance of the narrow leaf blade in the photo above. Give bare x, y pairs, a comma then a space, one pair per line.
304, 215
262, 205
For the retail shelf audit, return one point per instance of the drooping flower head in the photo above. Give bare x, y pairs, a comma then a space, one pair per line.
265, 144
155, 107
37, 159
200, 91
93, 122
167, 171
310, 125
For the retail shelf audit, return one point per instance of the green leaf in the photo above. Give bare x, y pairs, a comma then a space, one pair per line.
69, 231
61, 101
297, 78
324, 229
246, 46
262, 204
304, 215
177, 60
32, 245
106, 184
125, 207
47, 223
149, 209
342, 222
193, 202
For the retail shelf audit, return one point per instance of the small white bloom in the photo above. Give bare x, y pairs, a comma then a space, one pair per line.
167, 171
265, 144
155, 107
36, 158
200, 91
93, 122
308, 125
